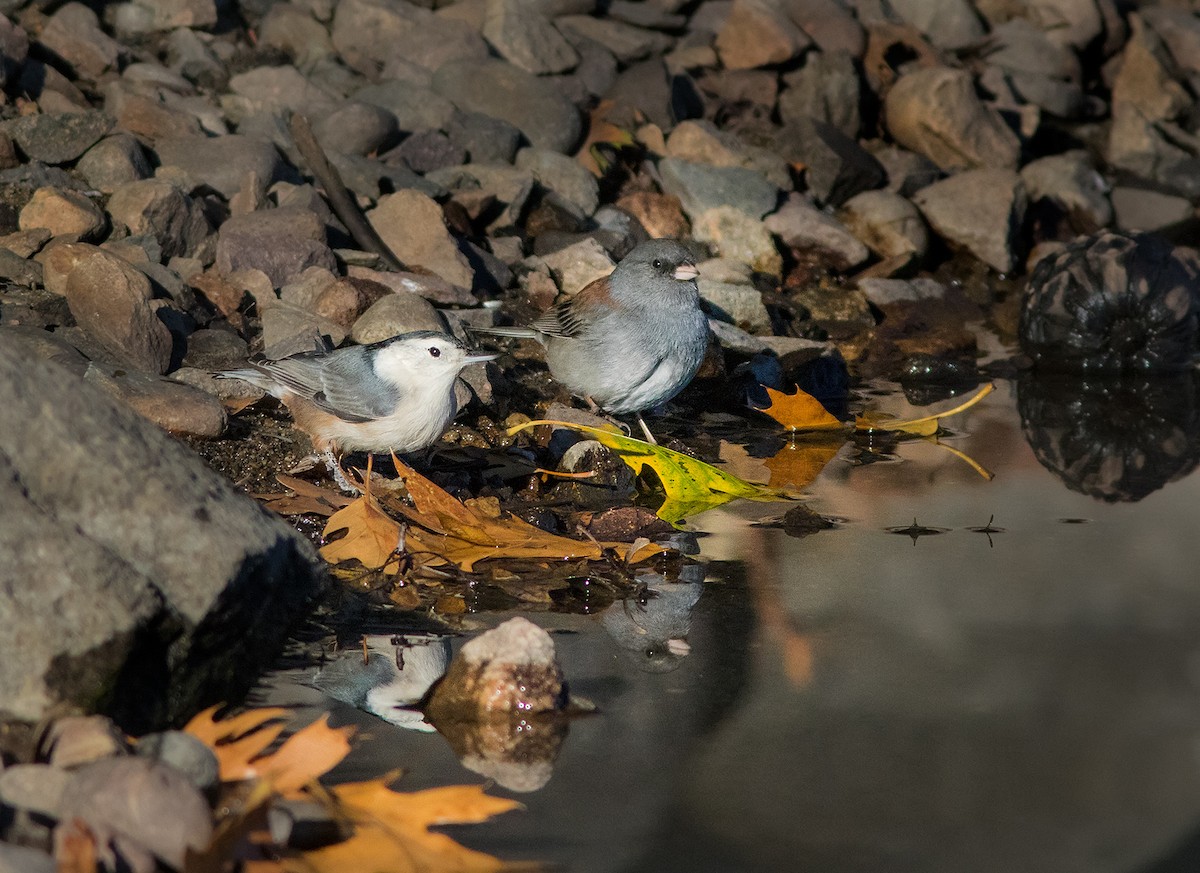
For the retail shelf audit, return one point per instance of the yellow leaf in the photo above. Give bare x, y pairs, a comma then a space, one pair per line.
447, 530
800, 411
372, 536
925, 426
690, 485
391, 830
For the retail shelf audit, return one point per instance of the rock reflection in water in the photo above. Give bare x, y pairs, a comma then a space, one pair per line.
1116, 440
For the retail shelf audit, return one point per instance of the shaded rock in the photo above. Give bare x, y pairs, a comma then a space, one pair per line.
936, 112
885, 292
415, 107
18, 270
907, 172
578, 265
611, 481
289, 329
398, 312
73, 33
835, 166
829, 24
1179, 31
58, 138
487, 140
1072, 182
800, 225
735, 235
278, 90
1112, 303
433, 288
1139, 209
979, 210
372, 178
343, 301
701, 142
158, 209
211, 349
280, 242
141, 801
429, 150
526, 38
917, 327
890, 225
826, 88
660, 214
34, 787
563, 175
1037, 69
364, 31
507, 185
25, 243
185, 753
737, 302
356, 129
647, 87
700, 187
220, 162
293, 30
756, 34
114, 161
434, 41
511, 670
840, 311
147, 16
412, 226
176, 408
627, 42
128, 534
646, 15
1072, 23
535, 106
63, 213
148, 118
948, 24
110, 300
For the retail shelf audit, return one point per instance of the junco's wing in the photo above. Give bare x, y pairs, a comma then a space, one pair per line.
570, 317
343, 383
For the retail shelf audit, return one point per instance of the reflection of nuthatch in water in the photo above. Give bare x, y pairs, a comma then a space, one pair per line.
652, 628
396, 675
391, 396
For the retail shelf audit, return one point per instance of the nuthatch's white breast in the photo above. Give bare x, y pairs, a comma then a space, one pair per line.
391, 396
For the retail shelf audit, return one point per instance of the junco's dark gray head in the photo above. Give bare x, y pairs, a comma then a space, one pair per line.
661, 258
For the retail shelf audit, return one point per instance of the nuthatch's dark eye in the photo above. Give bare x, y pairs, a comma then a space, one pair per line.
656, 263
435, 352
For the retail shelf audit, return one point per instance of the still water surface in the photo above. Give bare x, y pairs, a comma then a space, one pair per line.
1026, 698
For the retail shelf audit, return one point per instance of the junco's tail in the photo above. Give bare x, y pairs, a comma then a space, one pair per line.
517, 332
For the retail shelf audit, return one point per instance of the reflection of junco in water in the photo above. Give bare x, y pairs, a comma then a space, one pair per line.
632, 340
392, 396
653, 628
397, 674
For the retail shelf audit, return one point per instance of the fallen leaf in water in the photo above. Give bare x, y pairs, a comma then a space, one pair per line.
303, 498
924, 426
799, 462
240, 743
445, 529
690, 485
372, 536
391, 830
800, 411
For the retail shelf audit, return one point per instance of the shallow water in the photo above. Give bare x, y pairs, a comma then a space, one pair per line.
859, 699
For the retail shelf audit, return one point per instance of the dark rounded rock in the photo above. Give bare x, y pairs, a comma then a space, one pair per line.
1112, 303
58, 137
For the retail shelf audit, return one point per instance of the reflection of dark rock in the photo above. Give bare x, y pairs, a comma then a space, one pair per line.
518, 751
927, 379
1115, 440
1112, 303
652, 626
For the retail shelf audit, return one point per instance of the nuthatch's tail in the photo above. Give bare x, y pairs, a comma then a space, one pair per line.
257, 378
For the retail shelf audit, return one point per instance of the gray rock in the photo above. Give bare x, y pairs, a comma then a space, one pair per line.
288, 329
563, 175
429, 150
178, 409
182, 751
59, 137
701, 142
160, 210
700, 187
415, 107
194, 59
487, 140
507, 185
884, 292
73, 34
158, 15
364, 31
735, 235
435, 41
412, 226
394, 314
432, 288
948, 24
293, 30
281, 242
21, 859
576, 266
1073, 183
278, 89
34, 787
220, 162
644, 87
128, 532
646, 15
63, 213
1071, 23
889, 224
907, 172
143, 801
356, 128
836, 167
1139, 209
740, 304
979, 210
150, 117
758, 33
830, 24
936, 112
536, 107
242, 393
114, 161
1039, 70
526, 39
110, 299
826, 88
626, 42
372, 178
800, 225
211, 349
1179, 30
19, 270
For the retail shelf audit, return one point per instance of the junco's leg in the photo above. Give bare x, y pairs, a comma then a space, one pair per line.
649, 436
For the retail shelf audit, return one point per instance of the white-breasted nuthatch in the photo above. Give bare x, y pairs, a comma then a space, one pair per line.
396, 395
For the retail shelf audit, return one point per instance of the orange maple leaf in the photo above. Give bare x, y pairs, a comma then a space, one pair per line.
800, 411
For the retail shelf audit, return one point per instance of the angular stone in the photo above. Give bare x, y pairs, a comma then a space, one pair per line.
159, 209
429, 150
626, 42
700, 187
757, 33
526, 38
60, 137
220, 162
113, 162
735, 235
660, 214
435, 41
836, 167
826, 88
578, 265
393, 314
563, 175
63, 213
948, 24
830, 24
412, 226
936, 112
288, 329
178, 409
281, 242
486, 140
801, 226
886, 222
1139, 210
364, 31
979, 210
73, 34
1072, 182
433, 288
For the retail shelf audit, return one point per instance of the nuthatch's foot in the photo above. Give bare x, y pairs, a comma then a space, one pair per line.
339, 477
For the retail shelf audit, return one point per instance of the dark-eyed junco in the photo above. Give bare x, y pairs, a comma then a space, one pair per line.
391, 396
632, 340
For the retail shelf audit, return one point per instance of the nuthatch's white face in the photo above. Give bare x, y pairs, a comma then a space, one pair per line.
423, 360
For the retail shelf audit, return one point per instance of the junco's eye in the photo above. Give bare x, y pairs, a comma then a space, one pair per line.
656, 263
435, 352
